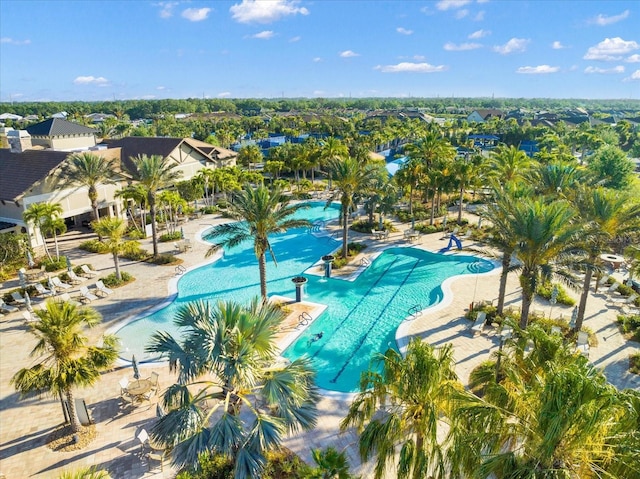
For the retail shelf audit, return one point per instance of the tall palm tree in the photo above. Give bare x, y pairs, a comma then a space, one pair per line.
41, 214
606, 215
259, 213
349, 178
411, 174
331, 464
112, 231
65, 360
544, 231
154, 173
88, 170
332, 149
403, 408
551, 415
55, 226
225, 359
508, 163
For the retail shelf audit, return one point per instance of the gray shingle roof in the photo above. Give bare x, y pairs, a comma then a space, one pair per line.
133, 146
19, 171
58, 127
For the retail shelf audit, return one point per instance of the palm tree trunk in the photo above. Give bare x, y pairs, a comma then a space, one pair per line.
154, 233
413, 220
433, 207
93, 197
73, 416
502, 291
345, 231
55, 240
460, 206
526, 283
44, 243
583, 297
262, 265
116, 263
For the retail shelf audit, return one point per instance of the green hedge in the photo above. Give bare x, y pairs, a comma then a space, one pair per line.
634, 363
165, 258
176, 235
55, 264
545, 289
93, 246
111, 281
630, 325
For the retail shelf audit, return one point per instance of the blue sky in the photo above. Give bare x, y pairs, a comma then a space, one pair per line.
60, 50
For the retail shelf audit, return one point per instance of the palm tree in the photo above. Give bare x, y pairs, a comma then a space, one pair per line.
65, 359
508, 163
606, 215
332, 150
41, 214
154, 173
331, 464
54, 225
259, 213
544, 231
411, 174
89, 170
112, 231
350, 178
250, 155
86, 473
226, 362
551, 415
402, 409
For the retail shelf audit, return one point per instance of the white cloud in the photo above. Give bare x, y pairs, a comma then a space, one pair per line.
479, 34
317, 59
349, 54
451, 4
318, 92
250, 11
196, 14
618, 69
404, 31
604, 20
558, 45
224, 94
295, 39
515, 45
633, 59
166, 8
411, 67
460, 14
264, 35
419, 58
635, 75
13, 41
611, 49
479, 16
540, 69
452, 47
160, 88
91, 80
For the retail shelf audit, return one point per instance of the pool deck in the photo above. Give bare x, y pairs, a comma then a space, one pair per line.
24, 424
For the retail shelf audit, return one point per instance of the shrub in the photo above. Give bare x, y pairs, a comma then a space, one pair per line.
545, 289
634, 363
110, 281
427, 228
362, 226
166, 258
209, 210
134, 252
630, 326
135, 235
625, 290
222, 204
352, 250
301, 195
55, 264
93, 246
176, 235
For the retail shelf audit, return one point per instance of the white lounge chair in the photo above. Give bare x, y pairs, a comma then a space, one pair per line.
582, 345
18, 298
74, 278
41, 290
66, 298
29, 317
478, 325
88, 272
86, 295
618, 302
102, 289
60, 284
7, 308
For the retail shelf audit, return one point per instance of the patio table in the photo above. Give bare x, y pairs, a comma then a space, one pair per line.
137, 389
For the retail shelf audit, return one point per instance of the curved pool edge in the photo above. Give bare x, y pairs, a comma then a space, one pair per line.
403, 336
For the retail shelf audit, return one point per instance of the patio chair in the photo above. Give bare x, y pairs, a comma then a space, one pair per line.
478, 325
102, 289
7, 308
81, 411
152, 454
86, 295
74, 278
42, 291
66, 298
582, 345
613, 288
88, 272
60, 284
29, 317
617, 303
18, 299
154, 382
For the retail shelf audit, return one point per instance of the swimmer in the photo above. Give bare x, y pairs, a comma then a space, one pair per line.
316, 337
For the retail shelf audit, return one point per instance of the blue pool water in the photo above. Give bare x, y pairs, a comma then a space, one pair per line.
361, 316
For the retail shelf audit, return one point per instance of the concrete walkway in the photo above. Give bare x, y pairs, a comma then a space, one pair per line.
25, 423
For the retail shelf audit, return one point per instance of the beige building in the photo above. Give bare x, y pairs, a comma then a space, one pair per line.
30, 170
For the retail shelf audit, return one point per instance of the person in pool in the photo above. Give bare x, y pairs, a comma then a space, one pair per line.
316, 337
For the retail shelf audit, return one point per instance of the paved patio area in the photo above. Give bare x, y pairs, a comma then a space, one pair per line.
24, 424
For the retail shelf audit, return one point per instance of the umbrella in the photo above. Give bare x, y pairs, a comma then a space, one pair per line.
69, 267
23, 280
444, 221
27, 301
134, 365
30, 259
574, 318
181, 232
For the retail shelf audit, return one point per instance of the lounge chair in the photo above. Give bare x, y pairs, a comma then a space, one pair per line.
60, 284
74, 278
7, 308
478, 325
154, 382
86, 295
81, 411
42, 291
18, 299
627, 311
582, 345
618, 302
102, 289
66, 298
29, 317
88, 272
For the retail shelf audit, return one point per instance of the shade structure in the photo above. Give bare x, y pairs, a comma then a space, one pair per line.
22, 278
69, 267
27, 301
134, 365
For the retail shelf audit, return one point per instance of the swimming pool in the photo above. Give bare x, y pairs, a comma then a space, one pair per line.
361, 317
